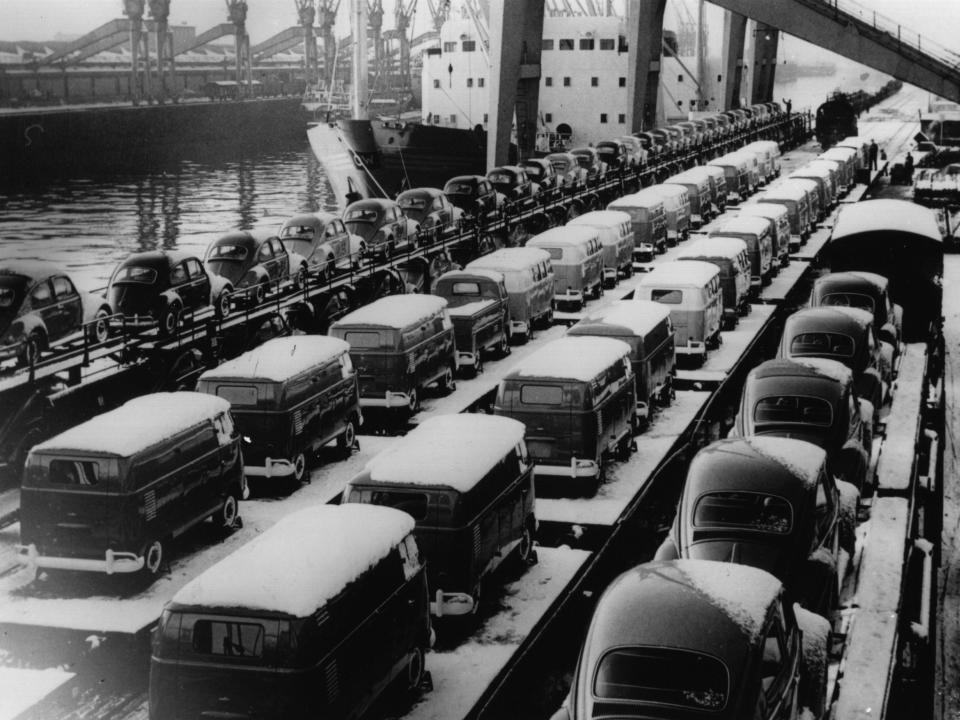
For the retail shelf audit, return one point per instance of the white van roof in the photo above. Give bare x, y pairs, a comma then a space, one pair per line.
454, 451
728, 159
713, 246
782, 191
680, 273
769, 145
564, 236
302, 562
494, 275
673, 192
601, 218
507, 259
395, 311
641, 199
803, 183
829, 165
767, 210
742, 223
579, 358
887, 215
838, 153
694, 176
810, 169
138, 424
638, 316
281, 358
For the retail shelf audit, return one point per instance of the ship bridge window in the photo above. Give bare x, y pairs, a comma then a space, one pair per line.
622, 82
549, 81
469, 82
469, 45
622, 118
586, 43
436, 83
603, 117
594, 81
566, 44
566, 82
548, 117
607, 44
481, 82
547, 44
450, 47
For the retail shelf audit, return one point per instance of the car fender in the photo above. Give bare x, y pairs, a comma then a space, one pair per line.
92, 304
168, 297
317, 258
218, 284
297, 260
29, 323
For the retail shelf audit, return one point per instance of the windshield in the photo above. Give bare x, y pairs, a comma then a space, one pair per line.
135, 274
745, 510
227, 252
412, 203
361, 216
500, 178
793, 409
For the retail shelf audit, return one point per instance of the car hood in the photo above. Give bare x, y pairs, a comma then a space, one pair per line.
365, 230
133, 298
229, 269
766, 553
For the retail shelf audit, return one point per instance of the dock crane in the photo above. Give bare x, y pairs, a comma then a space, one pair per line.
327, 10
237, 14
439, 13
403, 20
307, 14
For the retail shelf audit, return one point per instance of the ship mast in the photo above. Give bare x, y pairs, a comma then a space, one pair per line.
701, 56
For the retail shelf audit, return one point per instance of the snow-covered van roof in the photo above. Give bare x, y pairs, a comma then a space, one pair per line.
138, 424
601, 218
887, 215
454, 451
810, 169
281, 358
510, 259
642, 199
680, 273
494, 275
767, 210
771, 145
564, 236
742, 223
694, 176
713, 246
579, 358
637, 316
728, 159
395, 311
781, 191
802, 183
838, 153
302, 562
674, 192
801, 458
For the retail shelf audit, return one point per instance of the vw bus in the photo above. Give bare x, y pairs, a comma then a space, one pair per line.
812, 190
646, 328
691, 289
289, 397
718, 183
771, 148
316, 617
794, 199
848, 159
676, 201
528, 278
110, 494
779, 219
577, 398
755, 232
616, 236
730, 255
826, 192
576, 256
477, 303
467, 481
649, 217
399, 345
737, 176
699, 191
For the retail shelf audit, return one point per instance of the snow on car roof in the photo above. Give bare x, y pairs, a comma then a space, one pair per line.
767, 210
781, 191
638, 316
281, 358
138, 424
579, 358
724, 585
833, 369
565, 236
510, 259
601, 218
713, 246
764, 145
302, 562
471, 308
800, 457
693, 176
638, 199
669, 190
680, 272
802, 183
887, 215
810, 169
395, 311
454, 451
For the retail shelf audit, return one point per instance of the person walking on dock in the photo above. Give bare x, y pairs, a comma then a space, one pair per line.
873, 154
908, 168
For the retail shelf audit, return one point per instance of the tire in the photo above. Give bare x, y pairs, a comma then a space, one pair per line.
299, 468
153, 559
229, 513
331, 266
526, 555
170, 319
32, 348
503, 347
416, 668
99, 331
478, 364
446, 383
257, 294
223, 304
347, 439
300, 279
413, 405
625, 446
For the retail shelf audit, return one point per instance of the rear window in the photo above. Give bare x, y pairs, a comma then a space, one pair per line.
541, 395
663, 675
229, 639
555, 253
135, 274
302, 231
366, 340
74, 472
465, 288
793, 409
821, 343
855, 300
415, 504
744, 510
227, 252
667, 297
238, 395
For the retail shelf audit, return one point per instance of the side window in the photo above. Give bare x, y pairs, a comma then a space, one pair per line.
278, 248
178, 274
223, 424
265, 253
63, 288
330, 231
194, 268
774, 655
339, 227
41, 294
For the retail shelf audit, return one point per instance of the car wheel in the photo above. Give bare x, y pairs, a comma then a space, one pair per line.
170, 319
478, 364
223, 304
299, 468
300, 279
525, 550
32, 348
229, 513
153, 559
413, 403
447, 384
331, 267
415, 670
347, 438
503, 348
258, 293
99, 330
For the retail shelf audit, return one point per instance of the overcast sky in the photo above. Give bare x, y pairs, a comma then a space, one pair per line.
44, 19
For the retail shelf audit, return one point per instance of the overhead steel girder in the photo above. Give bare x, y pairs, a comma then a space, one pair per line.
855, 38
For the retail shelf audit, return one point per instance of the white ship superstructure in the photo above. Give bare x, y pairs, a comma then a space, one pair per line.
583, 82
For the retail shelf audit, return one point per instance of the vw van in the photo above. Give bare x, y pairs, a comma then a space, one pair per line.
577, 398
812, 191
676, 202
478, 305
399, 344
467, 481
848, 158
316, 617
779, 220
616, 236
754, 168
730, 255
794, 199
289, 397
649, 217
691, 289
718, 183
826, 192
755, 232
576, 256
699, 191
772, 150
646, 328
110, 494
528, 278
834, 169
861, 146
737, 176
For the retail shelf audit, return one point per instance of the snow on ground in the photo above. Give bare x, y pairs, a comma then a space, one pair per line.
21, 689
29, 603
625, 480
893, 470
461, 675
722, 360
784, 281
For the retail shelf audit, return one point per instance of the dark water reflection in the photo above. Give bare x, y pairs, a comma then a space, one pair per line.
88, 224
